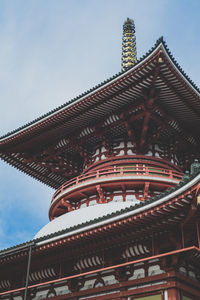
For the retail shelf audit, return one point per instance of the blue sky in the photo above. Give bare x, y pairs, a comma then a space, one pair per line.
51, 51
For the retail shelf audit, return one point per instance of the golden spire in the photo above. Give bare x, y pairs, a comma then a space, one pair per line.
129, 54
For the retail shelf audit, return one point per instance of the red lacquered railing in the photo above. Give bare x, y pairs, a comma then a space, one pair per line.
118, 172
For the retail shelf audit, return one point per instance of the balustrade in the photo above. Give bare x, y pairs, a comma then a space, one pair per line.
118, 171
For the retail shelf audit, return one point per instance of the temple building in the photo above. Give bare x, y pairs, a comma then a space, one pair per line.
123, 159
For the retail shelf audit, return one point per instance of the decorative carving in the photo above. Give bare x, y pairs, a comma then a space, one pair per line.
51, 292
99, 281
121, 274
75, 284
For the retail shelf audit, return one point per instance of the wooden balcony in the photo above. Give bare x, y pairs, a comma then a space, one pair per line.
114, 177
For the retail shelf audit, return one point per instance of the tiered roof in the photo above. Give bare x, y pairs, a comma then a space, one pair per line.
169, 208
179, 98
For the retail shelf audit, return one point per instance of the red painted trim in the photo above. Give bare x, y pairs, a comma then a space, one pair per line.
182, 236
118, 295
106, 268
173, 294
188, 290
125, 286
198, 235
128, 221
132, 159
90, 179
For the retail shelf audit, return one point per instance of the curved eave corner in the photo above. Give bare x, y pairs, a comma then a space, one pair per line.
31, 172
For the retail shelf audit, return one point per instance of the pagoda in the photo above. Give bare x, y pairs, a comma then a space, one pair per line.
123, 159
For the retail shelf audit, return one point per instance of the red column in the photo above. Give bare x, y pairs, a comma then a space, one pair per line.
173, 294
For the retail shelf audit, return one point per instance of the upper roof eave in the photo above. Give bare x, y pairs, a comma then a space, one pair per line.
159, 45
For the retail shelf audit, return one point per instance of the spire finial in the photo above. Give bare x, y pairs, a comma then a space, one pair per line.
129, 54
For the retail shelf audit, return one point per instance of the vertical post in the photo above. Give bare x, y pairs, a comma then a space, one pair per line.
153, 250
173, 294
103, 259
198, 236
60, 270
182, 236
146, 168
27, 273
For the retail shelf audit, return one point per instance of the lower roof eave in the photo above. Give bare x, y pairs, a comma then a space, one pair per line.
119, 216
123, 215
